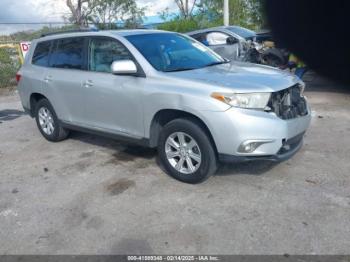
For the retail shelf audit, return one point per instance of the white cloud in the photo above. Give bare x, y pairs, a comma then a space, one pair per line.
26, 11
29, 11
154, 7
32, 10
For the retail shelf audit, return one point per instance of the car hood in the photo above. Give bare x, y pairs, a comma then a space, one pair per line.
241, 77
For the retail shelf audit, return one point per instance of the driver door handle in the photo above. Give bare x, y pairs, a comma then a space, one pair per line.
88, 84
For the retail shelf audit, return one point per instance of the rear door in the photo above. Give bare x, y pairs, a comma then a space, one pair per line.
64, 78
33, 72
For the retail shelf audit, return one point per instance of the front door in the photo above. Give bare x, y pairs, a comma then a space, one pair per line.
113, 102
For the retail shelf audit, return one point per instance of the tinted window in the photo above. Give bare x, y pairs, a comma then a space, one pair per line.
68, 53
41, 54
173, 52
103, 52
201, 38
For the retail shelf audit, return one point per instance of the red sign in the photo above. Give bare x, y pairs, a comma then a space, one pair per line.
24, 48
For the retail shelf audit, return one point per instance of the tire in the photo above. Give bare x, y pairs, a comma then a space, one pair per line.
46, 115
190, 130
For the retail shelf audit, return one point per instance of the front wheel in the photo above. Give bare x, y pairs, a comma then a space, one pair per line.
186, 151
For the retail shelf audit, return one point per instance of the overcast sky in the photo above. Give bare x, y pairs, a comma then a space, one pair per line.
25, 11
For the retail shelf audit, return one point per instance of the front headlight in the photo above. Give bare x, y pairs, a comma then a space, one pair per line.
248, 100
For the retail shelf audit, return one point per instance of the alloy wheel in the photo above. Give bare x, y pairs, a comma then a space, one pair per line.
183, 153
46, 121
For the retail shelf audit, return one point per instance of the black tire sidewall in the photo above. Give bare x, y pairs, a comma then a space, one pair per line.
208, 161
54, 137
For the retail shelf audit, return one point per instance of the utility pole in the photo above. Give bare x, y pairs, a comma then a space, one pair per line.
226, 13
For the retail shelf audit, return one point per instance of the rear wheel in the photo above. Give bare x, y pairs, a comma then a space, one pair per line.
186, 151
48, 123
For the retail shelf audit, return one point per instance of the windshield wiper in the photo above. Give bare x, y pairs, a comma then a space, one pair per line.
180, 69
193, 68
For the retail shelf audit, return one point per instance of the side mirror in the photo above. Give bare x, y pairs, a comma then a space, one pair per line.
124, 67
231, 40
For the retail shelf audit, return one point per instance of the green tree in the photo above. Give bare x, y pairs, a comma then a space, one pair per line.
79, 11
257, 13
186, 7
106, 13
9, 65
180, 25
246, 13
209, 13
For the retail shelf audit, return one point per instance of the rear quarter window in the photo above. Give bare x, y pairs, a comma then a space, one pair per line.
41, 53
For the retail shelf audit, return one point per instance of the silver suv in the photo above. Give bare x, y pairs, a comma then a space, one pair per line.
165, 90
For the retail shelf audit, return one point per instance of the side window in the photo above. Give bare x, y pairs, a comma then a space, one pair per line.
68, 53
217, 38
41, 54
201, 38
103, 52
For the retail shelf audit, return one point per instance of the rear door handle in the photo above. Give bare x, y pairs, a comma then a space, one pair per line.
88, 83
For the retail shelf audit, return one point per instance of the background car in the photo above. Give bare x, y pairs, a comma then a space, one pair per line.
242, 44
230, 42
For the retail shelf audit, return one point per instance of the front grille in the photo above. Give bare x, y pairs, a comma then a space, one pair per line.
288, 103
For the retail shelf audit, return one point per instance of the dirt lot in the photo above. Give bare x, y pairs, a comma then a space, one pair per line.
90, 195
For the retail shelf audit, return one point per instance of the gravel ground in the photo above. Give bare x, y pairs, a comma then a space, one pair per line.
91, 195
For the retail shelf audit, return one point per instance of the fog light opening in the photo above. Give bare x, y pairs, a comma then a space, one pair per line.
250, 146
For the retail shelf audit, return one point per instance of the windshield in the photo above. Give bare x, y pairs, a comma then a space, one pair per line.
243, 32
169, 52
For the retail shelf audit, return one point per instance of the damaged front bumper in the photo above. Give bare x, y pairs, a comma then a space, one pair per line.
290, 148
257, 135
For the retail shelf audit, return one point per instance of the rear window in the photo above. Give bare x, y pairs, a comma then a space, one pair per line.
68, 53
41, 53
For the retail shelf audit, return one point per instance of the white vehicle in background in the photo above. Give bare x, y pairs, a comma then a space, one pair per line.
231, 42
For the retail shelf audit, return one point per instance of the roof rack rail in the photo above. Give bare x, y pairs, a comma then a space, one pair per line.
70, 31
